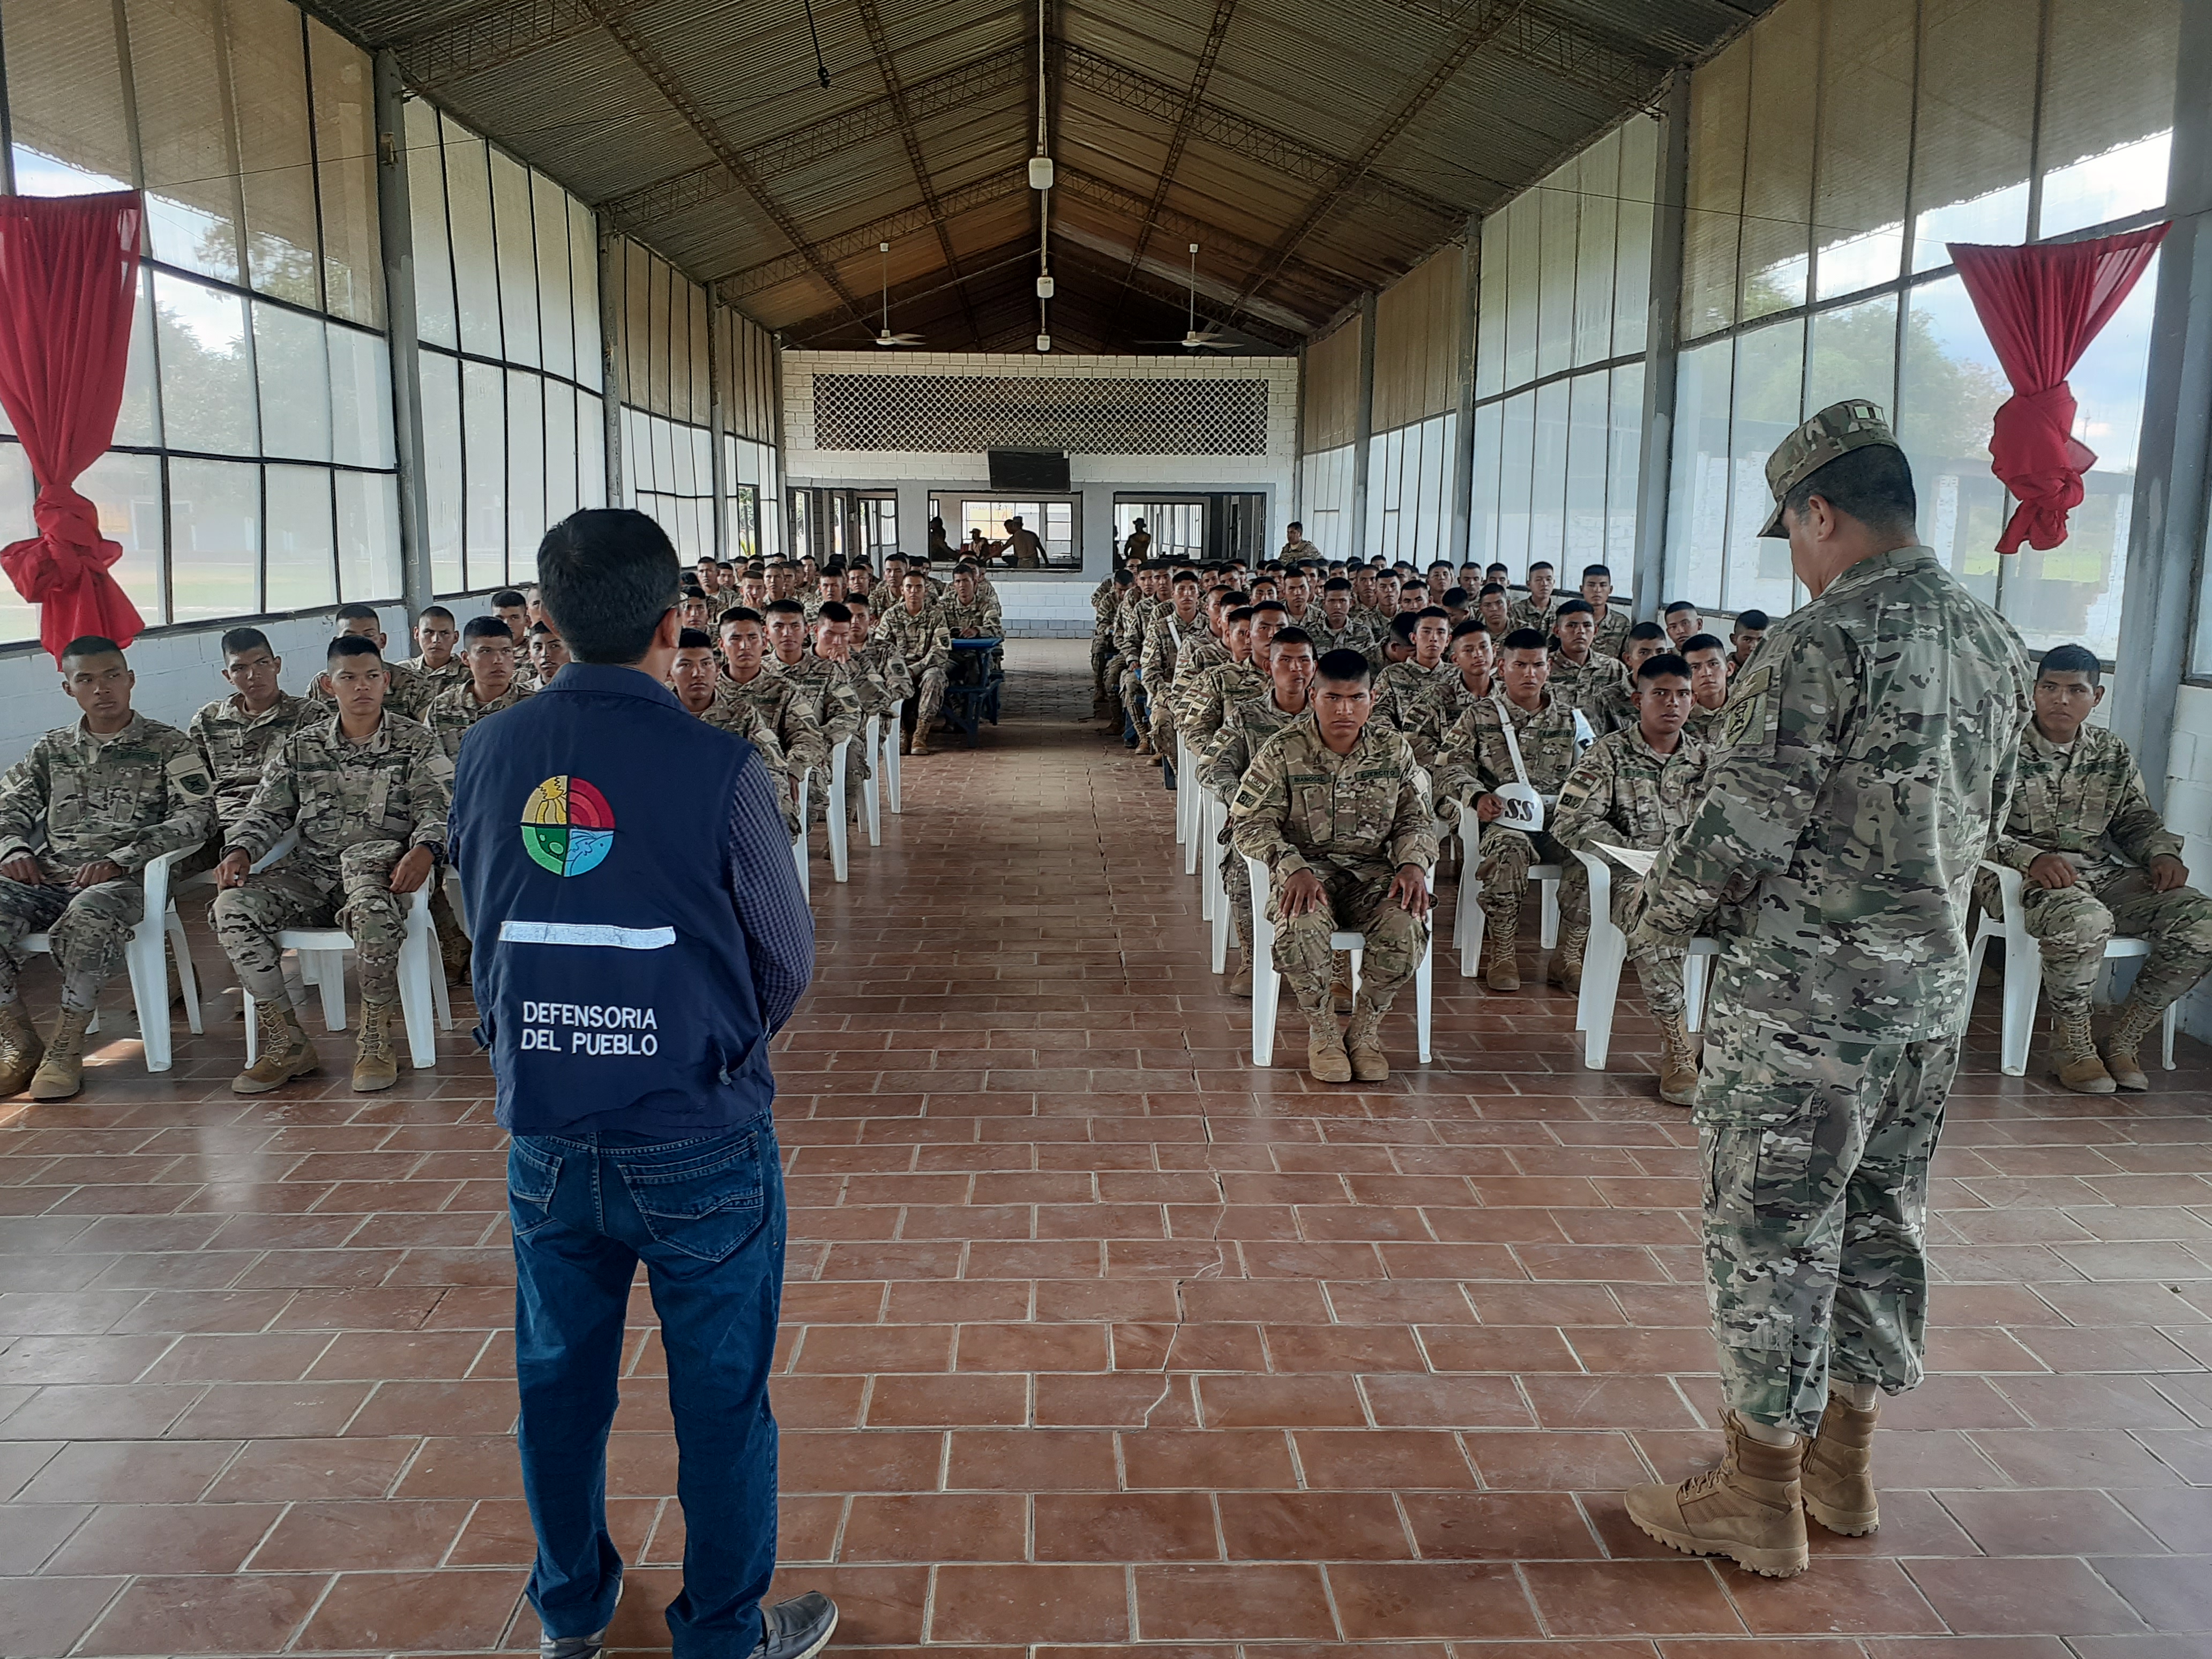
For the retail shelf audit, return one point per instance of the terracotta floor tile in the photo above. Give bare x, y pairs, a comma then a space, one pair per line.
128, 1471
1221, 1460
1856, 1598
422, 1611
912, 1402
1034, 1460
1499, 1526
1656, 1598
983, 1604
165, 1538
2004, 1597
2048, 1523
47, 1615
1387, 1459
2169, 1593
1390, 1600
355, 1536
252, 1613
1124, 1527
1251, 1603
1305, 1526
935, 1527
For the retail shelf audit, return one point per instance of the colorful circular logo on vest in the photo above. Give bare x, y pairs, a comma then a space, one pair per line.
567, 826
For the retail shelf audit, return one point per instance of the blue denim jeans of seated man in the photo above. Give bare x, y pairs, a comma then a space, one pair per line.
706, 1217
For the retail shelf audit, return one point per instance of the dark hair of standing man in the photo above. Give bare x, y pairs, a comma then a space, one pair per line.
608, 575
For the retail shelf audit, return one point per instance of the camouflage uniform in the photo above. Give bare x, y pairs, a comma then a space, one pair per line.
830, 701
2085, 802
126, 799
1353, 820
236, 746
1613, 628
1624, 793
1132, 624
925, 644
1525, 612
1600, 688
409, 694
452, 713
1252, 721
1863, 767
1475, 760
360, 808
445, 677
1105, 600
1359, 633
1160, 666
1206, 703
746, 717
1407, 695
980, 620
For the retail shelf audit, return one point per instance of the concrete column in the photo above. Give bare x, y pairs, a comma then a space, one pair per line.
1463, 460
614, 362
1097, 531
1662, 335
914, 517
1297, 446
2166, 539
717, 423
1364, 426
395, 232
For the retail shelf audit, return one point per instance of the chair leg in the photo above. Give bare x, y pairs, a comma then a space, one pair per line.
188, 977
892, 798
872, 787
1550, 936
149, 969
2023, 986
1471, 918
330, 978
1266, 986
839, 864
442, 997
2172, 1021
417, 1001
1220, 919
1696, 971
1425, 995
1602, 959
252, 1026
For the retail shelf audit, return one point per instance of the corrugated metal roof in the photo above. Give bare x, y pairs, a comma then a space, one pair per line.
1332, 146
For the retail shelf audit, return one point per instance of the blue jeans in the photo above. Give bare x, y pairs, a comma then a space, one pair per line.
706, 1217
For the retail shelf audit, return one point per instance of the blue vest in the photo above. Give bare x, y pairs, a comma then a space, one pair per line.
616, 993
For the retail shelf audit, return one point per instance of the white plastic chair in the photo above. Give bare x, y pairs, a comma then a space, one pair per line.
1267, 986
1605, 957
1467, 921
871, 790
145, 958
1190, 813
833, 812
2023, 972
1214, 891
798, 841
891, 797
322, 964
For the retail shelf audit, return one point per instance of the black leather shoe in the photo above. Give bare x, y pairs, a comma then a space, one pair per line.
796, 1629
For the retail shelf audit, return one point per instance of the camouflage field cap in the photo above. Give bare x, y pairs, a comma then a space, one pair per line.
1833, 433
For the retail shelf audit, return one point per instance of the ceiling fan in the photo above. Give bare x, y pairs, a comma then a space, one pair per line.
885, 337
1195, 337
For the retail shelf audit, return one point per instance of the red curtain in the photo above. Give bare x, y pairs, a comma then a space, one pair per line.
2041, 307
69, 274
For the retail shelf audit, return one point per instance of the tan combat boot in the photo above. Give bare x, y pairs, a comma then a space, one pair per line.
1839, 1473
1325, 1055
920, 744
1363, 1042
282, 1051
2134, 1022
375, 1064
1144, 750
1339, 990
1240, 983
60, 1073
1567, 960
1500, 931
1748, 1509
906, 743
1678, 1062
21, 1048
2074, 1055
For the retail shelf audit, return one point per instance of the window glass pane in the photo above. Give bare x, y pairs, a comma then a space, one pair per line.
1696, 506
701, 410
65, 115
634, 310
1778, 185
441, 468
1555, 202
1866, 140
591, 451
1547, 486
215, 538
303, 558
1589, 440
1854, 354
369, 536
1770, 366
1597, 213
2107, 110
560, 452
139, 419
550, 216
476, 269
1517, 456
658, 339
483, 422
191, 162
1977, 113
426, 205
702, 460
2071, 593
345, 175
269, 97
361, 397
294, 368
681, 479
127, 491
18, 620
1491, 285
525, 468
207, 383
1949, 389
1719, 92
518, 258
1626, 438
583, 281
1524, 280
662, 438
1482, 528
1632, 282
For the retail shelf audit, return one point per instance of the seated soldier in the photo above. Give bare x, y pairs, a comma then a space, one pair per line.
1203, 709
1341, 627
511, 606
690, 610
1469, 677
824, 688
1582, 676
1297, 594
548, 654
1207, 649
1404, 690
748, 694
1458, 603
437, 638
1252, 721
1337, 809
1708, 684
368, 793
1614, 709
1439, 576
1105, 600
1683, 622
111, 794
1493, 608
695, 678
1612, 625
488, 650
968, 614
860, 581
1412, 596
1132, 630
830, 585
237, 734
407, 693
879, 673
2098, 860
915, 630
1526, 738
752, 591
1166, 637
1540, 608
1744, 634
832, 645
1366, 594
1398, 639
1634, 788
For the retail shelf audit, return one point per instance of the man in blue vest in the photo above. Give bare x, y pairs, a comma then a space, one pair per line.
628, 1019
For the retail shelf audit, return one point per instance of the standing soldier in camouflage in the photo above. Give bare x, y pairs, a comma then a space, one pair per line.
367, 793
2097, 860
113, 793
1338, 810
1252, 721
238, 734
1634, 788
410, 692
1865, 764
1477, 759
914, 631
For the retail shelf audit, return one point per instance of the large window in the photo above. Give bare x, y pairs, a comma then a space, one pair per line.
506, 289
667, 445
1053, 522
1815, 269
252, 468
1178, 528
747, 391
1561, 325
1410, 452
